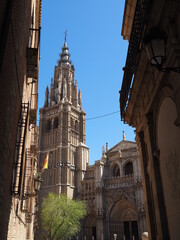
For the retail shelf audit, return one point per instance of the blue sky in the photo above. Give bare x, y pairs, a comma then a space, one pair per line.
98, 53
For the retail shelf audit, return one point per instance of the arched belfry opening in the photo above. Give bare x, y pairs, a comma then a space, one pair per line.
56, 122
48, 125
116, 171
128, 169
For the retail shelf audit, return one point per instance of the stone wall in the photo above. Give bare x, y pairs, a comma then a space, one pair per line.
14, 23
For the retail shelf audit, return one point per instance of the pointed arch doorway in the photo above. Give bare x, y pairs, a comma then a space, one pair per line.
89, 228
123, 221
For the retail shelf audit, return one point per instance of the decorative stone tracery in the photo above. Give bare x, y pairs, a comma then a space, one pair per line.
118, 200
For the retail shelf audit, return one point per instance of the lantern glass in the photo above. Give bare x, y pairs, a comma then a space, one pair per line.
155, 42
156, 52
37, 183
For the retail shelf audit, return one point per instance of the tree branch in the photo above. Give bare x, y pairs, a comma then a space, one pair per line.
58, 228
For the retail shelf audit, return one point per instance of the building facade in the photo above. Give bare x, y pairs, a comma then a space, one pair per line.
113, 190
62, 133
19, 62
150, 101
112, 186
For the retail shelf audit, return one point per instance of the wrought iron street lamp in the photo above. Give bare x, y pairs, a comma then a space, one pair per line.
37, 181
155, 42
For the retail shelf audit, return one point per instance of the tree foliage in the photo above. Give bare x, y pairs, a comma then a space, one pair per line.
61, 216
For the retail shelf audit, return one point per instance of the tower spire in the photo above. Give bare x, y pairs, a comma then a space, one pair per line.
65, 43
65, 56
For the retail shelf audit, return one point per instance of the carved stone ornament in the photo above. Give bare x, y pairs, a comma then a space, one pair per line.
129, 214
114, 196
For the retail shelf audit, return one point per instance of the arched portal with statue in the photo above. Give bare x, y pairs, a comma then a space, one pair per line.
89, 228
123, 221
112, 188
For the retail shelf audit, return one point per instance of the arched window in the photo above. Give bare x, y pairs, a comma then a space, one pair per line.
48, 125
72, 123
128, 168
76, 125
116, 171
56, 122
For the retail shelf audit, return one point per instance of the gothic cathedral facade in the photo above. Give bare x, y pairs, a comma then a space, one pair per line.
112, 186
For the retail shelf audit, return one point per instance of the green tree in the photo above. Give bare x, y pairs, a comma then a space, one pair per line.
61, 216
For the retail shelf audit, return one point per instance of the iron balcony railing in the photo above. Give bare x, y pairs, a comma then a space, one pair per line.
140, 18
26, 192
19, 162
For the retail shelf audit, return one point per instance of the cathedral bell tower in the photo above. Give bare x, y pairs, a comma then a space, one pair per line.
62, 132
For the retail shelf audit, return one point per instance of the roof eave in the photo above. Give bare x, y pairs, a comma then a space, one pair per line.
129, 11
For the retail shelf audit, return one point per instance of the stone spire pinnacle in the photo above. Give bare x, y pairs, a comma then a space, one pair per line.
65, 56
107, 147
46, 97
80, 98
65, 43
123, 135
103, 152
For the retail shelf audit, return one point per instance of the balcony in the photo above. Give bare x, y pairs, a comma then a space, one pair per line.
19, 161
28, 175
32, 63
139, 21
33, 108
33, 53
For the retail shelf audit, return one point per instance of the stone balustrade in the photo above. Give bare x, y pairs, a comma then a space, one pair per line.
119, 181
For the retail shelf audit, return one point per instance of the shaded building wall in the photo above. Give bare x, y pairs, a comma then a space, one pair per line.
150, 101
15, 21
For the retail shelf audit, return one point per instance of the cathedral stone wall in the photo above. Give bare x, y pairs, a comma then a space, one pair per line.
62, 134
112, 188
